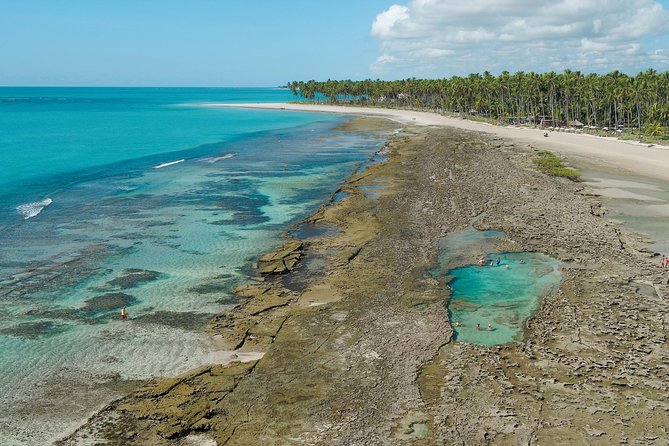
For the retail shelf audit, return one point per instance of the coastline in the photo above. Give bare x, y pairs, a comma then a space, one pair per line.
379, 319
611, 152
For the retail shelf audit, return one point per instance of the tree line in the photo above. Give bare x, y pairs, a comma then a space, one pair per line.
613, 100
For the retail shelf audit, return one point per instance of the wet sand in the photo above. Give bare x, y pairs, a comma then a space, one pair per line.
363, 354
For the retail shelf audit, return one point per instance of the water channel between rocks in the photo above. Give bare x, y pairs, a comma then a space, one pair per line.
503, 295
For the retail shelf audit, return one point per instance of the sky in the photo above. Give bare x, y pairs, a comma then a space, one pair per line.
272, 42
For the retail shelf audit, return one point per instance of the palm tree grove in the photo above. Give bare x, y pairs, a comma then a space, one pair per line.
610, 102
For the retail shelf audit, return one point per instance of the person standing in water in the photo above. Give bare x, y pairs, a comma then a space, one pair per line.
124, 314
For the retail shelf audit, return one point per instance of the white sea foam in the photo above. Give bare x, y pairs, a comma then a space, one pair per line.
29, 210
160, 166
221, 158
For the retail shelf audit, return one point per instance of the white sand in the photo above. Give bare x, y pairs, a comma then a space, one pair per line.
632, 156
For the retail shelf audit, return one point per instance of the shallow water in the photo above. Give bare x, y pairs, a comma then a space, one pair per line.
503, 295
370, 191
306, 231
339, 196
166, 231
641, 204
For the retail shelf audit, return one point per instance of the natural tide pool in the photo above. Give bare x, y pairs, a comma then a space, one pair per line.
503, 295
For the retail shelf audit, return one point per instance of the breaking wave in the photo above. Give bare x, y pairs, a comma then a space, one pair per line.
160, 166
220, 158
30, 210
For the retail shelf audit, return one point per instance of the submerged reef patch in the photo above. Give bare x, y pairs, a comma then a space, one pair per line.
187, 320
108, 302
133, 277
33, 330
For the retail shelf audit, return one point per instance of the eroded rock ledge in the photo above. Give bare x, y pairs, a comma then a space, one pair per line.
282, 260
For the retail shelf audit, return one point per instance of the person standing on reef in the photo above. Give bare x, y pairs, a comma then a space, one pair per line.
662, 260
124, 314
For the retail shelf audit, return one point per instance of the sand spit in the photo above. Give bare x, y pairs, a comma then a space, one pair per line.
633, 156
373, 362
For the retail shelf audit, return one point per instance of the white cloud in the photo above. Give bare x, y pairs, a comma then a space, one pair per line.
446, 37
596, 26
434, 53
387, 20
385, 59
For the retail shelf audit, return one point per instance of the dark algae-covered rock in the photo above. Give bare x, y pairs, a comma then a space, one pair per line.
32, 330
133, 277
108, 302
187, 320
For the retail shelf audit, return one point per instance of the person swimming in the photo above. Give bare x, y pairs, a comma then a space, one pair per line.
489, 327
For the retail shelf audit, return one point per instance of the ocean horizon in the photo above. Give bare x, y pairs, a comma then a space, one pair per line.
132, 197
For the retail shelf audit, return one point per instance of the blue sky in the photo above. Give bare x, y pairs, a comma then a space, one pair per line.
194, 42
271, 42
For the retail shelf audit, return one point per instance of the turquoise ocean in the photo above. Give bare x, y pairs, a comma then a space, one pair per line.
136, 197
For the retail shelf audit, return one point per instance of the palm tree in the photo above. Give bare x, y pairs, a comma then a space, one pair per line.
615, 98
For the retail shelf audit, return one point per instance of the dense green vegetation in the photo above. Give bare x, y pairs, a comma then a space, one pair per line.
549, 162
613, 100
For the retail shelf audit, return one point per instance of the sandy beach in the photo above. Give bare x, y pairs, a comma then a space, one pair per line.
632, 156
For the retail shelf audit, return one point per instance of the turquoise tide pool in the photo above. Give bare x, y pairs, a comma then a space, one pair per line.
503, 295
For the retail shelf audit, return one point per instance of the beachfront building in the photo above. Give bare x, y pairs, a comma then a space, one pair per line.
520, 120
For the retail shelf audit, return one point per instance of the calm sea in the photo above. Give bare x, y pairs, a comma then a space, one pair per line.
113, 197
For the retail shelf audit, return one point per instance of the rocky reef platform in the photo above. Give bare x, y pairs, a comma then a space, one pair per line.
362, 352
